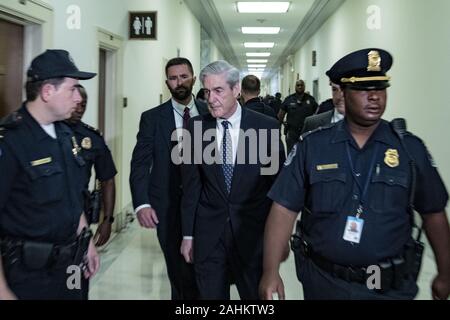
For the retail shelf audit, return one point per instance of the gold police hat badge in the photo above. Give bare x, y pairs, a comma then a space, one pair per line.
374, 63
86, 143
391, 158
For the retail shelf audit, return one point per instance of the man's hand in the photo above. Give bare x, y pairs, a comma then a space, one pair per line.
187, 250
270, 284
440, 287
103, 233
147, 218
93, 261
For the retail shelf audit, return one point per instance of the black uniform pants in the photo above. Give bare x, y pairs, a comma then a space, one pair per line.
43, 284
224, 266
291, 140
321, 285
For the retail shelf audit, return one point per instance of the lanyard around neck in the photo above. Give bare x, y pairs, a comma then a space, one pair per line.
362, 187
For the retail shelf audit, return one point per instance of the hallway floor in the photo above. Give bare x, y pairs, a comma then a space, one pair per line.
132, 268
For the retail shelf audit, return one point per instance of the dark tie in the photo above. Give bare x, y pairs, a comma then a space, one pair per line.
227, 155
186, 118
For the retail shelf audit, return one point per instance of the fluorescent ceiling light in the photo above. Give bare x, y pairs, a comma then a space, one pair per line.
255, 70
256, 66
257, 60
262, 7
259, 44
258, 54
260, 30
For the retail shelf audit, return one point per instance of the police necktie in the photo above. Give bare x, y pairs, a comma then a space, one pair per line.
186, 118
227, 155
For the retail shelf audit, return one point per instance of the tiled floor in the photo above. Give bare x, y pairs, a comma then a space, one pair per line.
133, 268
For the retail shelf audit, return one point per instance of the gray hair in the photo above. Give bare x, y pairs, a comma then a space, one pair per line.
220, 67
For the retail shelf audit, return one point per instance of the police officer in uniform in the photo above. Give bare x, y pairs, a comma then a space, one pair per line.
42, 228
297, 106
96, 154
354, 182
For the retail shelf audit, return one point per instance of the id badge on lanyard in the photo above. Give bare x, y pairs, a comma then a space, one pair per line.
354, 225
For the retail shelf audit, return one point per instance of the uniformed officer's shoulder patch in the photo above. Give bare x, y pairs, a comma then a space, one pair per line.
291, 155
412, 137
92, 129
11, 121
312, 132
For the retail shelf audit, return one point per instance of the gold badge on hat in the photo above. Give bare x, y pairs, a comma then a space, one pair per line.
374, 63
391, 158
86, 143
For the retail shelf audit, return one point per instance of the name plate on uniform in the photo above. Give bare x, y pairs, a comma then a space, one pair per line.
41, 162
327, 167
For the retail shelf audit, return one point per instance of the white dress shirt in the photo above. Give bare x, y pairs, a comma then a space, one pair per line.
336, 116
234, 128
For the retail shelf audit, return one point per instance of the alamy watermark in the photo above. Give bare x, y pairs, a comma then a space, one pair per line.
255, 146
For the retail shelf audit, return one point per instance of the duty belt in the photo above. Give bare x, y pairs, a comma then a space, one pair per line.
393, 271
36, 255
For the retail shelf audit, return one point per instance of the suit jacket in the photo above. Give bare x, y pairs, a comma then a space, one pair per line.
154, 178
206, 205
317, 120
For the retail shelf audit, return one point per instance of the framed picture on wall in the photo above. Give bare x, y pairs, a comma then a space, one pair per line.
142, 25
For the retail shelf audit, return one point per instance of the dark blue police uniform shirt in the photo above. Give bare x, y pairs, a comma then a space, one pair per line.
319, 178
297, 110
94, 152
40, 188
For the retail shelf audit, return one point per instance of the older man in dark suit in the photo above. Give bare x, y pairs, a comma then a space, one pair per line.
155, 177
331, 116
224, 206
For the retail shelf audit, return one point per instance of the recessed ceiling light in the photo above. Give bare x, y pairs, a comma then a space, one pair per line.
262, 7
256, 65
259, 44
257, 60
260, 30
258, 54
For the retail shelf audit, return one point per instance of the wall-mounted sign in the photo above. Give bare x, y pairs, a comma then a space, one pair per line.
142, 25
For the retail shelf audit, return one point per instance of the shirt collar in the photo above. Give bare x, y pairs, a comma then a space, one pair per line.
180, 107
37, 131
235, 119
337, 116
380, 134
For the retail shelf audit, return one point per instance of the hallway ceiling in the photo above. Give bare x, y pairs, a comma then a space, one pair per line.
223, 23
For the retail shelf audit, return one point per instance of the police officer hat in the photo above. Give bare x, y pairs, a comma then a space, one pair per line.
362, 70
55, 64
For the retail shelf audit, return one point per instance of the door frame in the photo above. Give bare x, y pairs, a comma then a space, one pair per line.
113, 44
37, 18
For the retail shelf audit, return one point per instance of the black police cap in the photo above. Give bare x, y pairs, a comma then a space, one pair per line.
55, 64
362, 70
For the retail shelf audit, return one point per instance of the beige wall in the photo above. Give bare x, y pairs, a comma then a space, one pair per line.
416, 33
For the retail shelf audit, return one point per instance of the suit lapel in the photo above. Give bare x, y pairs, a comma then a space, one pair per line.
168, 124
329, 117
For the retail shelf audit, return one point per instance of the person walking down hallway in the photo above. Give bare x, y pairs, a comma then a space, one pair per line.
250, 90
224, 204
96, 154
297, 107
361, 181
332, 116
155, 179
43, 230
